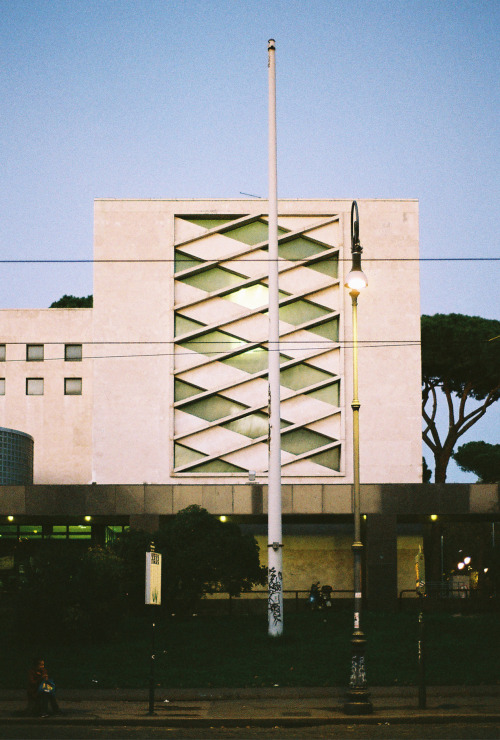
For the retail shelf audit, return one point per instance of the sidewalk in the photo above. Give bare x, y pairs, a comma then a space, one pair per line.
259, 707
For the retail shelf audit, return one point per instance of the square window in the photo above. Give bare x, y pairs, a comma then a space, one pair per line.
34, 352
72, 386
73, 352
2, 352
34, 386
2, 386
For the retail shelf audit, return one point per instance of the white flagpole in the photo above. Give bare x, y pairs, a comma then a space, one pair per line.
275, 544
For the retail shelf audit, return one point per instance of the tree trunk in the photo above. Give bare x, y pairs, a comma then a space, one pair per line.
442, 458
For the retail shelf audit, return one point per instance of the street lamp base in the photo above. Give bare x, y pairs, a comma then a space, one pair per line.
358, 702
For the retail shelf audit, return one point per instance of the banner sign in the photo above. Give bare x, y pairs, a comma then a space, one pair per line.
153, 578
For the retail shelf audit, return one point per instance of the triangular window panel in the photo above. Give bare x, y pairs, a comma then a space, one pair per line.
184, 390
213, 279
183, 325
210, 222
301, 376
300, 248
300, 311
329, 458
329, 330
185, 261
185, 455
213, 408
253, 426
252, 361
253, 233
216, 466
252, 297
327, 393
328, 266
213, 343
303, 440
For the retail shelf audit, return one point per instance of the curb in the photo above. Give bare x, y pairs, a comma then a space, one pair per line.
194, 722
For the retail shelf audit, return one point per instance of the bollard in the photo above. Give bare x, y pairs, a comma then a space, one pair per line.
422, 697
152, 673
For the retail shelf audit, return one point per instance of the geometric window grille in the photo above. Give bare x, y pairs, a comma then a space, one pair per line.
221, 418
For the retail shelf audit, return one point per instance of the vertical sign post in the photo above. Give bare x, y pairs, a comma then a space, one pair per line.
153, 598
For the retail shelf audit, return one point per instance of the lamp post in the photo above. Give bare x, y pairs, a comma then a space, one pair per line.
358, 698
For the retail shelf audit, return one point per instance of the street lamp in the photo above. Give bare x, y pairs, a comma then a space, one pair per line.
357, 701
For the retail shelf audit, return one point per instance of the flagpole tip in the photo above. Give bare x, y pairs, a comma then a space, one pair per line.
271, 44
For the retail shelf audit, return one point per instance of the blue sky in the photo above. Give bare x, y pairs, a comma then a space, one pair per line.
168, 99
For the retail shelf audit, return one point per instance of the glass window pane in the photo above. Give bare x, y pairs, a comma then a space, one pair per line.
328, 266
254, 233
2, 386
213, 279
210, 222
73, 352
303, 440
184, 390
328, 458
252, 361
252, 297
34, 352
213, 408
329, 330
253, 425
301, 376
300, 311
300, 248
185, 455
183, 325
216, 466
2, 352
328, 394
185, 261
80, 531
73, 386
213, 343
8, 531
34, 386
30, 529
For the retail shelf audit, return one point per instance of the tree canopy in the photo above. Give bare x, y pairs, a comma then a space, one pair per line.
201, 555
480, 458
460, 357
72, 301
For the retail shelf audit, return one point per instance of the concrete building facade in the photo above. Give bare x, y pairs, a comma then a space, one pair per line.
162, 386
165, 379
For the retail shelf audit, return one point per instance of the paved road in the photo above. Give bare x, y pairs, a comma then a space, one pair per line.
412, 731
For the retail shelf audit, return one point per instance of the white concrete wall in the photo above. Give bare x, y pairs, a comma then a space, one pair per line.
59, 424
133, 301
120, 430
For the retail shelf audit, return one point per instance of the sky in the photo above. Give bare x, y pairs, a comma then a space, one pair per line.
168, 99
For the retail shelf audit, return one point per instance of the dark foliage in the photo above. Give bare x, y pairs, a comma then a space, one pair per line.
69, 594
480, 458
461, 358
71, 301
201, 555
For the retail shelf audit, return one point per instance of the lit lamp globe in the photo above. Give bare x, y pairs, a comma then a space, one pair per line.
356, 280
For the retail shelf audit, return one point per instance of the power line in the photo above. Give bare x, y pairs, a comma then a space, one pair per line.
235, 259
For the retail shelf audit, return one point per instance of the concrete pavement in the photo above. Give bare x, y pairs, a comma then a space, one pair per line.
277, 706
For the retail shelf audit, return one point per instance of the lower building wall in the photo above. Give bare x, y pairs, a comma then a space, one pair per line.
310, 558
328, 559
408, 547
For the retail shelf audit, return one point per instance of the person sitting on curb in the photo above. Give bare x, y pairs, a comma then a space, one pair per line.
41, 690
